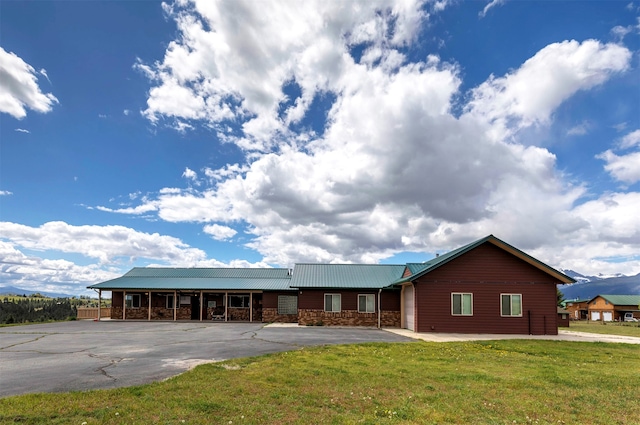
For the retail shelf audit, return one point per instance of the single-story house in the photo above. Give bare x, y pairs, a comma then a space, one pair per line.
487, 286
578, 309
608, 308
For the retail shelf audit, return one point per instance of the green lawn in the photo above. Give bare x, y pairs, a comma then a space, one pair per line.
611, 328
489, 382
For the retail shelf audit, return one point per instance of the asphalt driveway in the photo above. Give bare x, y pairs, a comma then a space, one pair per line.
84, 355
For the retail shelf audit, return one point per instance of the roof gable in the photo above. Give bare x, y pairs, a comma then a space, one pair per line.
451, 255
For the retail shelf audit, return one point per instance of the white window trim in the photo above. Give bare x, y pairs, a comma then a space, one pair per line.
243, 296
170, 306
325, 303
511, 305
374, 303
133, 304
462, 306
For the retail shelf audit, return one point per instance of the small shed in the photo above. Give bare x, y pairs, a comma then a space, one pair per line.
563, 318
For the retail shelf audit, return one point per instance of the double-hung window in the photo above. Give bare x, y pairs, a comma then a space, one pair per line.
366, 303
332, 303
511, 305
132, 301
461, 304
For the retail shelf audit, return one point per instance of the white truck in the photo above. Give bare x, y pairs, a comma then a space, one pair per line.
628, 317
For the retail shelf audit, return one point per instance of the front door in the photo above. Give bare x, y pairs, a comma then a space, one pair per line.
195, 307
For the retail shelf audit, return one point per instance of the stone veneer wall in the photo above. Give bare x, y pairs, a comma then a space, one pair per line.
270, 315
310, 317
157, 313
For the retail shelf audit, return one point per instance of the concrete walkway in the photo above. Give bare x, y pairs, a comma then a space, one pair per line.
562, 336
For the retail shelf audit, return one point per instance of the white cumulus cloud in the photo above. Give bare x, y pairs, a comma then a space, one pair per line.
19, 88
394, 168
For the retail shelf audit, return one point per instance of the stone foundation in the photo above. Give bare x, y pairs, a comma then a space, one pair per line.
347, 318
270, 315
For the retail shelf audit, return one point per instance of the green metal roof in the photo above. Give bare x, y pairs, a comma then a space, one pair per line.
159, 278
218, 273
438, 261
347, 276
621, 299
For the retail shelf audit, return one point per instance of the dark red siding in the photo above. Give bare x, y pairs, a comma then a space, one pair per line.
313, 299
487, 271
270, 299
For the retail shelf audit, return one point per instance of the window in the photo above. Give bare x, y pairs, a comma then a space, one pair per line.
366, 303
170, 301
511, 305
132, 301
287, 304
239, 301
461, 304
332, 303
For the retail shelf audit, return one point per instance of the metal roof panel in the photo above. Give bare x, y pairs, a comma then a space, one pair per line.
345, 275
190, 283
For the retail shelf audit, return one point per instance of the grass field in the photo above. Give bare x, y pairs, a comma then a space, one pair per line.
611, 328
490, 382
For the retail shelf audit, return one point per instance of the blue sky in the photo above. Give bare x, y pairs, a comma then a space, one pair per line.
237, 134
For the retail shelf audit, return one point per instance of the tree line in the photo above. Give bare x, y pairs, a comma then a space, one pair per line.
35, 309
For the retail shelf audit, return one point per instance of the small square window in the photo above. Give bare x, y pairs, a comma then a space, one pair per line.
132, 301
366, 303
287, 304
462, 304
332, 303
511, 305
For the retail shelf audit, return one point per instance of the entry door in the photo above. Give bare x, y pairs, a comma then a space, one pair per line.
607, 316
409, 307
595, 315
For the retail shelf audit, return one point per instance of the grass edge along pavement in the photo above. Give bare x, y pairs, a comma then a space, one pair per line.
492, 382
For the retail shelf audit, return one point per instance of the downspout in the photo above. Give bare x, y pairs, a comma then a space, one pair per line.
149, 306
379, 312
124, 305
201, 302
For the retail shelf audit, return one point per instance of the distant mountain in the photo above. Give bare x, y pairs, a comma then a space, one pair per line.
590, 286
580, 278
12, 290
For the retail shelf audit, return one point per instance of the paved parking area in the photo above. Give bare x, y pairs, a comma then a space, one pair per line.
84, 355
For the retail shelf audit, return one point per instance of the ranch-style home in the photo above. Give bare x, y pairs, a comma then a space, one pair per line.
608, 308
487, 286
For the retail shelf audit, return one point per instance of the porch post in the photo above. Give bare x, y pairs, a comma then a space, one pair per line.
124, 304
201, 301
149, 305
226, 304
99, 303
175, 308
251, 306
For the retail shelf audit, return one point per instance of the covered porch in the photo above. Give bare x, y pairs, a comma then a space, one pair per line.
223, 306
